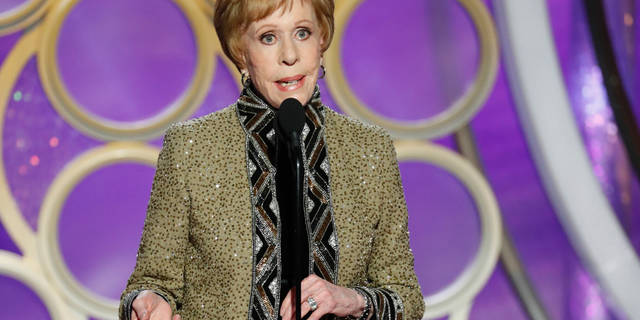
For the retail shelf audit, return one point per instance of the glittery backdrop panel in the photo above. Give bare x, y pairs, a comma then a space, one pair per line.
526, 209
591, 106
401, 61
100, 226
620, 23
17, 301
6, 5
37, 143
126, 60
443, 223
6, 44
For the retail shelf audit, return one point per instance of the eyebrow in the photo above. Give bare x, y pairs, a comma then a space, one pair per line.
304, 20
266, 25
274, 26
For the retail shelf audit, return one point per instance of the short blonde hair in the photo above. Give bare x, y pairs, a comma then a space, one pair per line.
232, 17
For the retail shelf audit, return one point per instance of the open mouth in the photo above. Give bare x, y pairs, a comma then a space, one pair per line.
291, 83
288, 83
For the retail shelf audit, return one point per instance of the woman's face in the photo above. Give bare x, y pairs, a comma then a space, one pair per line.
282, 54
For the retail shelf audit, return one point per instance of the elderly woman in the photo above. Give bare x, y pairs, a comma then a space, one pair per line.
212, 245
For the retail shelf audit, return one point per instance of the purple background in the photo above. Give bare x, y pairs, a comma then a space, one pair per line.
442, 255
92, 244
127, 60
115, 59
410, 70
19, 301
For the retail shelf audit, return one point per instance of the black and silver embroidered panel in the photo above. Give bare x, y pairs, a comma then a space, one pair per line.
256, 118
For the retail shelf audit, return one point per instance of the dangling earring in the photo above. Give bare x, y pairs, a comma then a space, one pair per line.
324, 72
246, 80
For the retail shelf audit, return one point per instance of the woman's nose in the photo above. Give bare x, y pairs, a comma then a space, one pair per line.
289, 54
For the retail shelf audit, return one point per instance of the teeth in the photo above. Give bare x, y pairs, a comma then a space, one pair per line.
288, 83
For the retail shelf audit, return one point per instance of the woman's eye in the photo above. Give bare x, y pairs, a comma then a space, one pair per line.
303, 34
268, 39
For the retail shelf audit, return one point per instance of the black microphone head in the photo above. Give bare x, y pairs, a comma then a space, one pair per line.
290, 117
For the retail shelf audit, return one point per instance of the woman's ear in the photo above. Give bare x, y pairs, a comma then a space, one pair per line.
240, 63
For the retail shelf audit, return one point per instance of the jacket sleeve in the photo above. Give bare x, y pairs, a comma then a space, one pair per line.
162, 252
393, 288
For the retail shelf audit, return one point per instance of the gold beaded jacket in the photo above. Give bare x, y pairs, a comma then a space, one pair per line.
210, 244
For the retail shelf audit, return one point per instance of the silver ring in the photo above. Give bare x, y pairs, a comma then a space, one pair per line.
312, 304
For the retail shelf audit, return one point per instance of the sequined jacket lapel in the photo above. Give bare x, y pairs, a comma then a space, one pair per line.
256, 119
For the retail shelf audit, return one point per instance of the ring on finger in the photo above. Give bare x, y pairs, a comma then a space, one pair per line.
312, 304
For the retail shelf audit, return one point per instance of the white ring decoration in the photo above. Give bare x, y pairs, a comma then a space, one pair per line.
458, 295
49, 249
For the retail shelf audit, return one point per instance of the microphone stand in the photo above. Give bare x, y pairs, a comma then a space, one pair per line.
289, 122
300, 226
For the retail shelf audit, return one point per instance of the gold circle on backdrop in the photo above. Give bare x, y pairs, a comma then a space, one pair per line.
49, 249
443, 123
22, 16
460, 293
109, 130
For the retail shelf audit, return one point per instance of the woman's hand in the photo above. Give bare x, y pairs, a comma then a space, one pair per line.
330, 298
150, 306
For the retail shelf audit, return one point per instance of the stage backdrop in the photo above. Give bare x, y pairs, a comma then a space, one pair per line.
88, 87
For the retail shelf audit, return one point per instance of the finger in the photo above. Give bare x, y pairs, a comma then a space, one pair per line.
133, 315
316, 291
285, 304
290, 311
162, 311
141, 313
289, 314
307, 289
140, 310
176, 317
309, 281
145, 316
318, 313
305, 308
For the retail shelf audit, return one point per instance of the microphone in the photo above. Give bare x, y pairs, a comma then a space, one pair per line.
288, 124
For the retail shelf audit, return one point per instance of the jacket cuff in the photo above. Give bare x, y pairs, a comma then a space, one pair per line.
386, 304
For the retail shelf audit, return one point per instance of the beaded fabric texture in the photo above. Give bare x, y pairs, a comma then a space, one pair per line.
197, 245
256, 118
